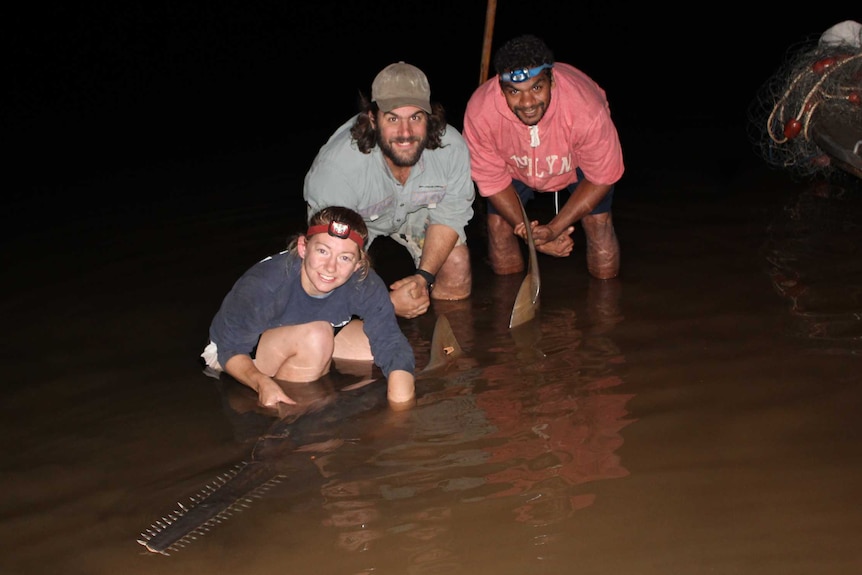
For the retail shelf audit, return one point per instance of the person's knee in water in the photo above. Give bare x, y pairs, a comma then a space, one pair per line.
279, 320
571, 143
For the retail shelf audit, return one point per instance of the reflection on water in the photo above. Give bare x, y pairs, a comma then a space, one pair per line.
813, 249
743, 458
517, 429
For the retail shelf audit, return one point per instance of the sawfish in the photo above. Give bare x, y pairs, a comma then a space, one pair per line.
527, 300
288, 445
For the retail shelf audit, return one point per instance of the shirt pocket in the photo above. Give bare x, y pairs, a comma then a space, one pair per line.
428, 196
374, 211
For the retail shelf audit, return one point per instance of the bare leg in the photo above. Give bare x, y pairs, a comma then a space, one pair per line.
352, 354
504, 247
603, 248
298, 353
351, 343
455, 278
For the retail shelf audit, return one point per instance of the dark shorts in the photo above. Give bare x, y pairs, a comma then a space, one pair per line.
527, 193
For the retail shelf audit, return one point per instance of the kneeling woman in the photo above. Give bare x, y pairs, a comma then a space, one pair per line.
287, 317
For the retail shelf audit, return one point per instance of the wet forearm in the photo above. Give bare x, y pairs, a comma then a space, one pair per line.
401, 390
439, 241
583, 200
508, 205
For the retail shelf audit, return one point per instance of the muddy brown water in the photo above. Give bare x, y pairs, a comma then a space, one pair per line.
700, 414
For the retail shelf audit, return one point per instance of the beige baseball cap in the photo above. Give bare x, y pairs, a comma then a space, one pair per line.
400, 85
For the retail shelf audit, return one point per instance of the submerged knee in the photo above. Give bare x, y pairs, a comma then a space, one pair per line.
504, 247
603, 248
455, 278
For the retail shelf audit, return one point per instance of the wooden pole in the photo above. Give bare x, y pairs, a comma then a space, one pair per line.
486, 44
527, 300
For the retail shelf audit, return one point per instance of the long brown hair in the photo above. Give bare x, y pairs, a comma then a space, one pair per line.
365, 134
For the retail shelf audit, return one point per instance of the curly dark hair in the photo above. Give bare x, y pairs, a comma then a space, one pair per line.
345, 215
365, 135
525, 51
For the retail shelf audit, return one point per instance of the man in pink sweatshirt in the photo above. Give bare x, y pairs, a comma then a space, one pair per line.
541, 126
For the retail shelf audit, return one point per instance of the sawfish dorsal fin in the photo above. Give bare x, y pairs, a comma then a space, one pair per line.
444, 346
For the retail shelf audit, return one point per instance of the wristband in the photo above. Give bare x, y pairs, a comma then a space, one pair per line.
429, 277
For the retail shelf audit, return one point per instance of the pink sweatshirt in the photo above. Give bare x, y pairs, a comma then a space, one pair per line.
575, 132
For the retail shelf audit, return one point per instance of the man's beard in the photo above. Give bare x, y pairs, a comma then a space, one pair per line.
400, 158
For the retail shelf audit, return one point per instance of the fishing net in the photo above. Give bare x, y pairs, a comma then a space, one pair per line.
817, 78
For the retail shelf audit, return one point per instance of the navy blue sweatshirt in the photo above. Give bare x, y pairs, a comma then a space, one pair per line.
270, 295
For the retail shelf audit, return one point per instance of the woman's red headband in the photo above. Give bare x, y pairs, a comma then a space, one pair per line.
337, 230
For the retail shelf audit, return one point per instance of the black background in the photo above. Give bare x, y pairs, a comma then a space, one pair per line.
105, 88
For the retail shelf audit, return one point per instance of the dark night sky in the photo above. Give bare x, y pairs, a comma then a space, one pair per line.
124, 85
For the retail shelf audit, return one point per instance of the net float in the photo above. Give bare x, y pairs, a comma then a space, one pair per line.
792, 128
